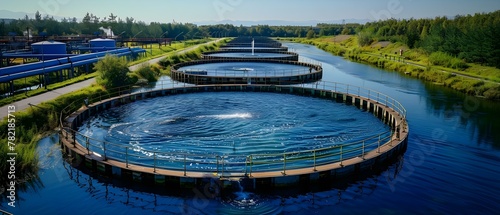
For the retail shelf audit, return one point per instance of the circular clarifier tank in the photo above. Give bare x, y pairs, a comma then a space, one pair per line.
256, 49
248, 55
246, 69
198, 129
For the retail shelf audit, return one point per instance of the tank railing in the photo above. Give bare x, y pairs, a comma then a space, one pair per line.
360, 92
250, 73
257, 49
288, 58
242, 60
309, 61
246, 51
228, 164
170, 84
224, 165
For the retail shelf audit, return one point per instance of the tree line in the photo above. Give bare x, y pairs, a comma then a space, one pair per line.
129, 27
472, 38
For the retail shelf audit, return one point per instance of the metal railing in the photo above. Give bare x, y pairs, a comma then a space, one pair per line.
227, 164
250, 73
230, 164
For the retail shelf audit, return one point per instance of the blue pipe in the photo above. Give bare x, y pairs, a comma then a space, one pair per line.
49, 63
66, 65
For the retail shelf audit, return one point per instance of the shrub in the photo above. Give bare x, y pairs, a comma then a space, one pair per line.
175, 59
365, 38
458, 64
440, 58
166, 62
443, 59
112, 72
148, 73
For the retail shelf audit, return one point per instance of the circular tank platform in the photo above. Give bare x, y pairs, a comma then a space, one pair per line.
248, 55
258, 41
248, 71
232, 126
256, 49
179, 136
253, 69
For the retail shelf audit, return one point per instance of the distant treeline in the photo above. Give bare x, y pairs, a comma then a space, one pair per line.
472, 38
90, 24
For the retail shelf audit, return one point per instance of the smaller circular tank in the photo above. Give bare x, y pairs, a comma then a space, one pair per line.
48, 47
99, 44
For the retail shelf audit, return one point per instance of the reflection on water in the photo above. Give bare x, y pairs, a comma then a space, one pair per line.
85, 193
466, 112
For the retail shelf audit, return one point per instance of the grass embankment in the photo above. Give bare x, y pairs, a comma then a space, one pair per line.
32, 123
438, 68
172, 58
155, 50
190, 55
29, 127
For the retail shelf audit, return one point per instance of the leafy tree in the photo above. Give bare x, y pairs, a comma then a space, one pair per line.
38, 16
310, 34
346, 31
365, 38
112, 72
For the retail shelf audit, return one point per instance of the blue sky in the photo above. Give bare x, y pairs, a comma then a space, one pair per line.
252, 10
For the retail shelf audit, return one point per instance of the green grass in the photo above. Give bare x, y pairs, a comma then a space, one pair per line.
195, 54
388, 58
155, 51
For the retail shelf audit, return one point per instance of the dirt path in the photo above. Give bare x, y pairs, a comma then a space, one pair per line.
443, 71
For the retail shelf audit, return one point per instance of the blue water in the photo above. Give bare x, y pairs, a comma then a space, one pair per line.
249, 55
252, 69
451, 166
234, 125
249, 48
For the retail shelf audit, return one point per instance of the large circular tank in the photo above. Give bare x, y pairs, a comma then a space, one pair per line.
102, 44
238, 54
48, 47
